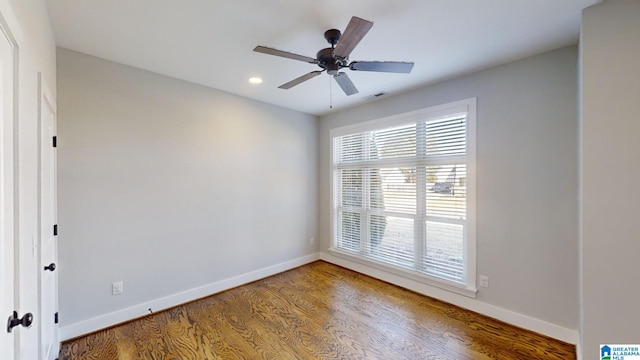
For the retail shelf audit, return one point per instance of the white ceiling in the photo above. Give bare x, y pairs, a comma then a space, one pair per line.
210, 42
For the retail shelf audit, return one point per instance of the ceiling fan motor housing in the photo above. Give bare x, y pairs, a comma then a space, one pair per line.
327, 61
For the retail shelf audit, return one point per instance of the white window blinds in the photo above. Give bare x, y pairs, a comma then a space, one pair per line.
400, 194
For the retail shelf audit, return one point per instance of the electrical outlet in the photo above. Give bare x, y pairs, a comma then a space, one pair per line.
117, 288
484, 281
312, 240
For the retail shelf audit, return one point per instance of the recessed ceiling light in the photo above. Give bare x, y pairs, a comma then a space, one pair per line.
255, 80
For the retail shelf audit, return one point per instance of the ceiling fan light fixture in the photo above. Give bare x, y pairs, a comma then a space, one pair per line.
332, 69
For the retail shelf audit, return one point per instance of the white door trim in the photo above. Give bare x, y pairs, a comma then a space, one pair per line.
9, 187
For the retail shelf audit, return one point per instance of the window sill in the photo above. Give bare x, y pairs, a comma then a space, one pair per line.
406, 273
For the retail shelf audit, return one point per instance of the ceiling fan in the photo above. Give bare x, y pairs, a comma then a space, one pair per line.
337, 57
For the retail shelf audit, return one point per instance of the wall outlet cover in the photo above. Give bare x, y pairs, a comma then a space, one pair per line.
117, 288
484, 281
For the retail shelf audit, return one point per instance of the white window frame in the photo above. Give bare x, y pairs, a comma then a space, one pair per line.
467, 106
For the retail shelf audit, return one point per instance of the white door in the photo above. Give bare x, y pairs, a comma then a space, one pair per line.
7, 190
48, 296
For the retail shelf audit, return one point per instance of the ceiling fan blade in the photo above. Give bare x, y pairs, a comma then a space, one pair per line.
382, 66
345, 83
300, 79
352, 35
285, 54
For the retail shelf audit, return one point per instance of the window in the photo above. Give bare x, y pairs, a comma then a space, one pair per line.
403, 194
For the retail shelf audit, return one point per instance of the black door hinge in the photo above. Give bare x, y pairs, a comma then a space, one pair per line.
55, 229
55, 318
55, 141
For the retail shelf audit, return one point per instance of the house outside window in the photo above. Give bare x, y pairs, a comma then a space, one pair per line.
404, 194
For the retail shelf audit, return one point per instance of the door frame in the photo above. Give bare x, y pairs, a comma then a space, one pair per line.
9, 29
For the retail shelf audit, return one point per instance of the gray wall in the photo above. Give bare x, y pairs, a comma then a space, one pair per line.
610, 197
526, 178
169, 186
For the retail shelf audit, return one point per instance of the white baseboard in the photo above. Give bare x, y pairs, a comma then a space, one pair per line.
104, 321
510, 317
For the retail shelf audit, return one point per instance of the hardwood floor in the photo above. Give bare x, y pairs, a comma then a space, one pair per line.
317, 311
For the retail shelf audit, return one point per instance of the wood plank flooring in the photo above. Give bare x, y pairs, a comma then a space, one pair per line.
317, 311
